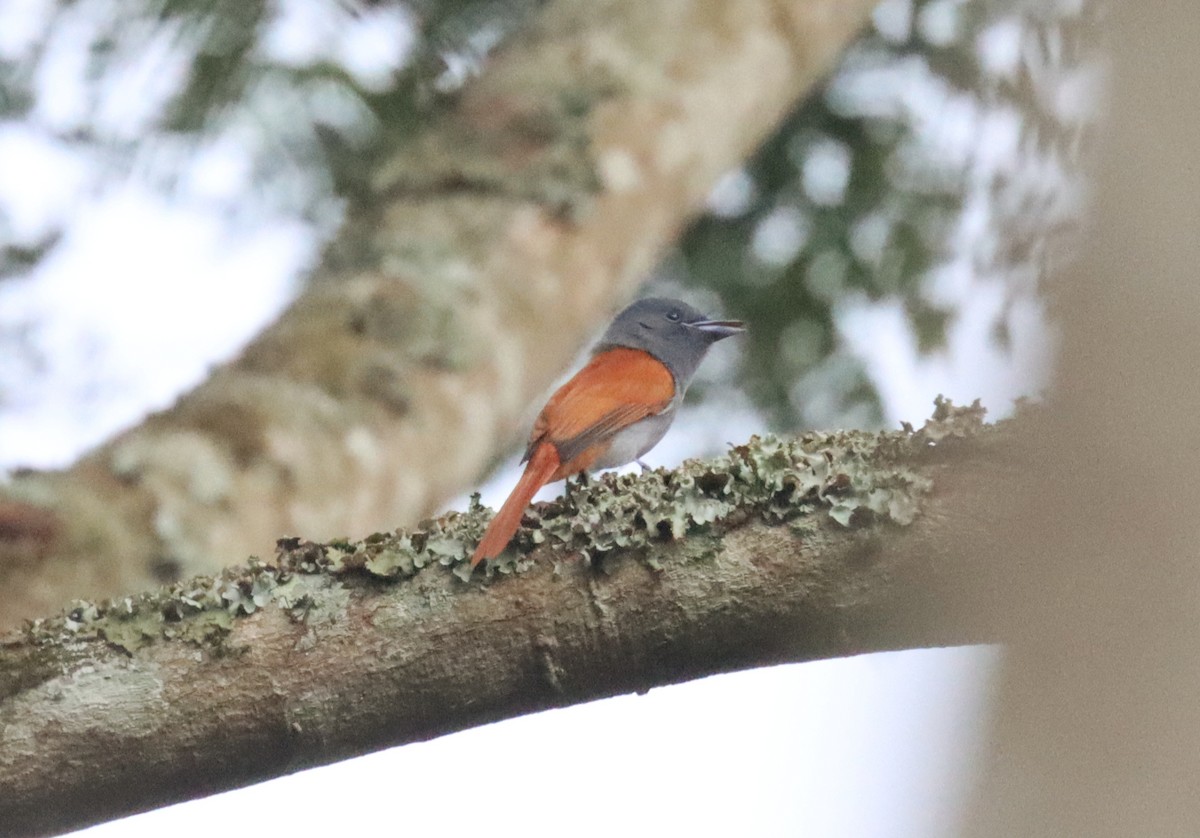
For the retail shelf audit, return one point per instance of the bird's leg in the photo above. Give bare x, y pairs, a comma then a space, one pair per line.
573, 484
645, 468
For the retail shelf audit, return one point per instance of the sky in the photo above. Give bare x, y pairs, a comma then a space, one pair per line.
870, 747
148, 290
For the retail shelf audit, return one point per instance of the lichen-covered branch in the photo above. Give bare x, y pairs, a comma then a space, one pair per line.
490, 245
784, 550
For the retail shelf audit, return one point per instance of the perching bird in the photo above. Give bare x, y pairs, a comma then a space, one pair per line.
616, 408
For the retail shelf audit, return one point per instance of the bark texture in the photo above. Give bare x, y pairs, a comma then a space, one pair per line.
494, 241
341, 649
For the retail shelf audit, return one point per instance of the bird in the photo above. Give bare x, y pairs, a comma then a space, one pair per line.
616, 408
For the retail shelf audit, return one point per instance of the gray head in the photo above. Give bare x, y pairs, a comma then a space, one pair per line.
670, 330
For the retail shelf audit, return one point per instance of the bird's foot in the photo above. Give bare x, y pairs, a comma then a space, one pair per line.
574, 484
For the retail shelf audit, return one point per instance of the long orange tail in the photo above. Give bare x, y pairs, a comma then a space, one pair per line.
503, 527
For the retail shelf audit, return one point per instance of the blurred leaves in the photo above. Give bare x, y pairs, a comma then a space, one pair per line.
299, 94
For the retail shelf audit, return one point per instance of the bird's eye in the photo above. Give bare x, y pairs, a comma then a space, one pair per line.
673, 315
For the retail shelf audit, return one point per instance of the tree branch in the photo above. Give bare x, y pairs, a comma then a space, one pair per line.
782, 551
492, 245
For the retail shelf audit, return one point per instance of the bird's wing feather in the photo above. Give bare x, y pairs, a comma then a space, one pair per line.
617, 388
578, 452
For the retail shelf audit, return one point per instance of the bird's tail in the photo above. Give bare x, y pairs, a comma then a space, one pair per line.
541, 467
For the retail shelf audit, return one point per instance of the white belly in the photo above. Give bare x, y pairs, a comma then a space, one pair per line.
634, 441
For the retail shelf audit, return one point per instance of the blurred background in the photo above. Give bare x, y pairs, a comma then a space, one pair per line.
168, 171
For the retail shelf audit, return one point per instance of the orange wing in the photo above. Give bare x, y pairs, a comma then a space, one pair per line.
617, 388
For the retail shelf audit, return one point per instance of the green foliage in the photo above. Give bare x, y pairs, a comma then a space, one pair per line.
222, 36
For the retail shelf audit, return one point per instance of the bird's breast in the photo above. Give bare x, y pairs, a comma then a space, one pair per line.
632, 442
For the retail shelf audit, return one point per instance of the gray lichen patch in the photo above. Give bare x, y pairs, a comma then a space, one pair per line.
445, 541
196, 611
82, 692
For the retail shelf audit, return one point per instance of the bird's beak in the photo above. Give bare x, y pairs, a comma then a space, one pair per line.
718, 329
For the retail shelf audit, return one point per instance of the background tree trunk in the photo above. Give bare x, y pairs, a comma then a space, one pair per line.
1098, 728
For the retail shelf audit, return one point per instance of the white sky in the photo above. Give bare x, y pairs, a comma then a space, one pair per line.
876, 746
146, 293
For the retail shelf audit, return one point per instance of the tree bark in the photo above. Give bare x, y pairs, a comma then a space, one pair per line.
831, 545
493, 243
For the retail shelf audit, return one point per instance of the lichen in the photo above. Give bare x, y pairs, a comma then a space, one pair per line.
199, 611
856, 478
